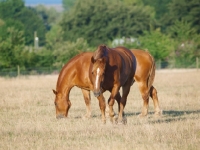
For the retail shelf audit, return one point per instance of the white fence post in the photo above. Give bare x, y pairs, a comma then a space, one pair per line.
18, 70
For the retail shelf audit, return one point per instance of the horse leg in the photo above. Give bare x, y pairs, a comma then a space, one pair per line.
153, 95
111, 101
117, 98
102, 106
86, 95
125, 92
145, 96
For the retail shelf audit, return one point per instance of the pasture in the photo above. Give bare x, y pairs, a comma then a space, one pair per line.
27, 117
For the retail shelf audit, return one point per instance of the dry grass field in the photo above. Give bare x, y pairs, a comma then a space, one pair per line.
27, 117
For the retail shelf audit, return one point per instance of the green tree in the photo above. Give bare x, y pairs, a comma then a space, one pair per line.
68, 4
32, 22
49, 16
187, 43
53, 36
11, 48
95, 22
15, 10
64, 51
158, 44
187, 10
160, 7
10, 8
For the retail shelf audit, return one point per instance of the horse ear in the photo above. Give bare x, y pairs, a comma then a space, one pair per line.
105, 50
54, 91
104, 59
92, 60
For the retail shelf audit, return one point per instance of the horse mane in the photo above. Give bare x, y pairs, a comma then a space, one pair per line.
100, 52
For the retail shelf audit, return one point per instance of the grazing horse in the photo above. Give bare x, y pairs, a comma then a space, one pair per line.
112, 68
74, 73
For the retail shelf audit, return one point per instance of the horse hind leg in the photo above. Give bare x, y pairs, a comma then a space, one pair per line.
87, 98
153, 95
145, 96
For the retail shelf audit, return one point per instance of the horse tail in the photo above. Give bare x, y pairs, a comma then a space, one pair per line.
151, 73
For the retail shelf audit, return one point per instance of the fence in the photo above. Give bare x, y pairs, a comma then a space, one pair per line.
17, 71
172, 64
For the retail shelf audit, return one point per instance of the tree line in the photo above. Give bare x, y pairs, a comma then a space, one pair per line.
168, 29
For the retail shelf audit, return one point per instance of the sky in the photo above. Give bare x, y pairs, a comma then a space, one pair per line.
30, 2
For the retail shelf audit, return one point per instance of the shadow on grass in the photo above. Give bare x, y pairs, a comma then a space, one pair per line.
172, 113
169, 116
166, 117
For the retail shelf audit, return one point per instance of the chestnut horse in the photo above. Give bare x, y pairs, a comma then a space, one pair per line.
74, 73
111, 69
144, 76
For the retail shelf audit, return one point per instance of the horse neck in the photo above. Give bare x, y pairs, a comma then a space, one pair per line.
63, 87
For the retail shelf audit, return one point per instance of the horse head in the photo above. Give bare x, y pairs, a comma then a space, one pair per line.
61, 104
98, 60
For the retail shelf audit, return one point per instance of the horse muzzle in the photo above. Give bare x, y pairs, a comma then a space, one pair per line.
97, 93
60, 116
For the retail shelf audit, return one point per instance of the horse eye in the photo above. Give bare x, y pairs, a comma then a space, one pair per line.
55, 103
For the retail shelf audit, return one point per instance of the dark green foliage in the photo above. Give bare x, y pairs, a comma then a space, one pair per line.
49, 16
68, 4
32, 22
10, 8
187, 10
15, 12
64, 51
100, 21
160, 6
11, 48
187, 43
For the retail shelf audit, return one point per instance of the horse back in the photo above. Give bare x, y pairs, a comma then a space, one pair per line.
125, 62
145, 70
75, 72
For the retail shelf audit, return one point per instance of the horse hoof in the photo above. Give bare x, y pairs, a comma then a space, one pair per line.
123, 121
157, 115
86, 116
142, 116
104, 121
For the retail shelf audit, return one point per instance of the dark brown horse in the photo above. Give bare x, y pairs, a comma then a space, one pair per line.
111, 69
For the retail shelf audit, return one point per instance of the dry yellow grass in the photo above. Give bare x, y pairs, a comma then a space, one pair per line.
27, 117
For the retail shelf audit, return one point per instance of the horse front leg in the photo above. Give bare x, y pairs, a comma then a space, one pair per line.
87, 98
111, 102
125, 92
102, 106
117, 98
